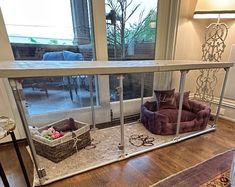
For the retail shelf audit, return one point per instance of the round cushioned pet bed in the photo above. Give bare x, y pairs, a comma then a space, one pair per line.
161, 118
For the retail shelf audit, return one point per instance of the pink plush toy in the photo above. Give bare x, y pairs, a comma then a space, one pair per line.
53, 133
56, 135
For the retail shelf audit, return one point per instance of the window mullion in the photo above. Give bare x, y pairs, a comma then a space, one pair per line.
100, 41
99, 23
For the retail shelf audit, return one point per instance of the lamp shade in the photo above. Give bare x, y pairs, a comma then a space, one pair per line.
213, 9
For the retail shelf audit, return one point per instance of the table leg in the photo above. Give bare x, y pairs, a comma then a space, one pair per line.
70, 88
20, 158
3, 176
75, 83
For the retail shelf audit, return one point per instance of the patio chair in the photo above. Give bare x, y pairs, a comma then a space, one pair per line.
69, 82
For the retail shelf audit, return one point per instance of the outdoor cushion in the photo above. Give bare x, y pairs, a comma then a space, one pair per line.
63, 55
68, 55
53, 56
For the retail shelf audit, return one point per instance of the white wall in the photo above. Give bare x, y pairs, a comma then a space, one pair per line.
188, 46
230, 89
7, 107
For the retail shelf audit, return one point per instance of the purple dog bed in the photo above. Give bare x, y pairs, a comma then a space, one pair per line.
164, 121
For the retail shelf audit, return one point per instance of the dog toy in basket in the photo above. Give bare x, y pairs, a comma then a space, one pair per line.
51, 134
76, 137
55, 132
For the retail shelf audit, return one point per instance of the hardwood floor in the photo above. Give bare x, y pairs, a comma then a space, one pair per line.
142, 170
12, 167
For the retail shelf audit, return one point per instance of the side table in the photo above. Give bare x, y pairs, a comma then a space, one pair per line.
7, 126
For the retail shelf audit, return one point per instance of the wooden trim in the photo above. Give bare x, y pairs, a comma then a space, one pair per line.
6, 51
99, 26
8, 105
101, 49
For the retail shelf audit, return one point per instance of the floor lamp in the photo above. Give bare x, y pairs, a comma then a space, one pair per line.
214, 42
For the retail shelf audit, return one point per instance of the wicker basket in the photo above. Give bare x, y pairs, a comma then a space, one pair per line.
63, 147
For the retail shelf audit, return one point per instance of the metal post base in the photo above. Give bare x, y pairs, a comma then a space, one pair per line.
120, 147
177, 138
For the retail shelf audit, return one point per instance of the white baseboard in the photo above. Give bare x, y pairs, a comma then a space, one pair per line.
226, 102
227, 118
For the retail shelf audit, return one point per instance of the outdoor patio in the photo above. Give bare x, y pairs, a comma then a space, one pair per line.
57, 100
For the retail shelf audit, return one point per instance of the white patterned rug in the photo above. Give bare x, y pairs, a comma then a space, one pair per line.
106, 150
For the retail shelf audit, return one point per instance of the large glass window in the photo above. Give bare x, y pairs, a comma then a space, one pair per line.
131, 33
52, 30
36, 21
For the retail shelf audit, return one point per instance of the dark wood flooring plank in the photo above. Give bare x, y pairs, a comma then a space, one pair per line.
12, 167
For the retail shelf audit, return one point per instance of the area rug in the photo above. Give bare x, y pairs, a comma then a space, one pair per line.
214, 172
106, 150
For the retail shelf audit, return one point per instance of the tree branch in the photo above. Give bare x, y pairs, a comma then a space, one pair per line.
132, 12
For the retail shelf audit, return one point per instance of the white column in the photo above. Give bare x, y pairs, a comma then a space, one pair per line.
8, 105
